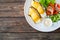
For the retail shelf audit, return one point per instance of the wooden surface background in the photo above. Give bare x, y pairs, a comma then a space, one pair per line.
13, 25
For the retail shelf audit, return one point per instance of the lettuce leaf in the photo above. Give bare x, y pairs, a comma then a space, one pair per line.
45, 3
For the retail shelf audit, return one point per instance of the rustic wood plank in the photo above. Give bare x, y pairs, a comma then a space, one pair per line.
11, 10
11, 14
11, 1
11, 6
16, 25
29, 36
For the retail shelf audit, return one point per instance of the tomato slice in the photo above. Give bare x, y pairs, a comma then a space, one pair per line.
48, 12
53, 9
55, 12
50, 9
58, 5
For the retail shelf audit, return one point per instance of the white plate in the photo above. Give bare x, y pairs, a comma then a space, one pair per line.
40, 26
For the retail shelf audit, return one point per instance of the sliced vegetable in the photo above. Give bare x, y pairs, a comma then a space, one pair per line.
57, 7
58, 16
53, 9
55, 18
50, 9
37, 6
34, 15
55, 12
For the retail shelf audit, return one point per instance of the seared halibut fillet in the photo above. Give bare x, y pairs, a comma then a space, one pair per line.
37, 6
34, 15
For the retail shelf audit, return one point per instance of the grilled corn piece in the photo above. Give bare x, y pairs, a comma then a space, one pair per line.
34, 15
37, 6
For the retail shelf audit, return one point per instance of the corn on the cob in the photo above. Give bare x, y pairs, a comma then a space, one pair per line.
34, 15
37, 6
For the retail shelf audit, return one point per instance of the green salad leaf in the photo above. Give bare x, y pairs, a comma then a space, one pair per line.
52, 1
55, 18
45, 3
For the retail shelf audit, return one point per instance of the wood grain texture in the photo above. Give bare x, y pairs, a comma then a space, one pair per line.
16, 25
11, 10
11, 14
11, 1
29, 36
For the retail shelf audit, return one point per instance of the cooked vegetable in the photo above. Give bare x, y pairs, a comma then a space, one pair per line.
55, 12
55, 18
37, 6
51, 9
58, 16
36, 12
45, 3
34, 15
57, 7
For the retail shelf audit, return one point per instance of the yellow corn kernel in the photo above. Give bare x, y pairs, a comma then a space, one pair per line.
34, 15
37, 6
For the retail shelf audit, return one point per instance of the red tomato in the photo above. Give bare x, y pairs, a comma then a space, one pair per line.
55, 12
53, 9
50, 9
58, 5
48, 13
52, 5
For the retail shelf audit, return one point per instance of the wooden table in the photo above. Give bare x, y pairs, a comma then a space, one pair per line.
13, 25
